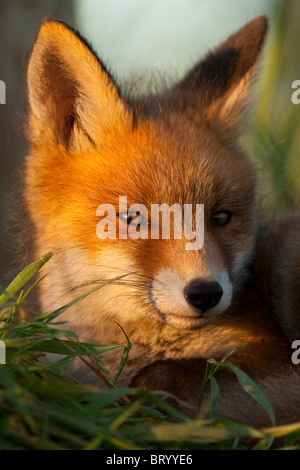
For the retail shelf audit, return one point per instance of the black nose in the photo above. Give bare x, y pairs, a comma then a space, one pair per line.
203, 295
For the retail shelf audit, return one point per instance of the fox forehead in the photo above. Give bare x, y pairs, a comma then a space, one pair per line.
162, 163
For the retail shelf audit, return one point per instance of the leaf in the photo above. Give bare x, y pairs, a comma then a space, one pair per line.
23, 277
16, 396
107, 397
239, 430
54, 346
253, 390
214, 397
124, 357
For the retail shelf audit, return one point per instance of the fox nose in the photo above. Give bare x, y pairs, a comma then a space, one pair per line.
203, 295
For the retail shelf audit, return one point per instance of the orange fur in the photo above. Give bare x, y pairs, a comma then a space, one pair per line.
90, 145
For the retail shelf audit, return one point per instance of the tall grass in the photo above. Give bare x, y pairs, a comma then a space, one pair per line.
42, 406
275, 137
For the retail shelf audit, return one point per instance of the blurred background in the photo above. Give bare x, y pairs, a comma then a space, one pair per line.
137, 37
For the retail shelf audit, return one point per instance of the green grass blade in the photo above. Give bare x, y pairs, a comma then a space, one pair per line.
214, 397
253, 390
124, 357
23, 277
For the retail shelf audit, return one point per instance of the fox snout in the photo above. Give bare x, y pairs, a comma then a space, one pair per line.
189, 303
203, 295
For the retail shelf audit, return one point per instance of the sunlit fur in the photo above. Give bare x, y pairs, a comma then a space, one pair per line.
90, 145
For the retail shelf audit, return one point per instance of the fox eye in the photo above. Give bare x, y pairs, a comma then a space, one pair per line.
134, 218
222, 218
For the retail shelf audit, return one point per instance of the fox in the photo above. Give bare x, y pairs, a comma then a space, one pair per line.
91, 141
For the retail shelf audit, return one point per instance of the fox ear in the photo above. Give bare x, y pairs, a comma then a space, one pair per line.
219, 86
73, 99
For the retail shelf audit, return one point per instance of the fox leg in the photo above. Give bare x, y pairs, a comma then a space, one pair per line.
183, 378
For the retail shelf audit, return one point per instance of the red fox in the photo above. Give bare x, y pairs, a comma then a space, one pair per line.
92, 144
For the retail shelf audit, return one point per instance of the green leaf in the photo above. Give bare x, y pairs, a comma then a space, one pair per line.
107, 397
214, 397
253, 390
239, 430
56, 347
124, 357
23, 277
16, 395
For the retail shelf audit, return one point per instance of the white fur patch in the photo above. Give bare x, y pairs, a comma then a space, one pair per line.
167, 294
223, 279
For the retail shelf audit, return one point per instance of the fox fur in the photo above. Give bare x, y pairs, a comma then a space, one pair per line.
90, 143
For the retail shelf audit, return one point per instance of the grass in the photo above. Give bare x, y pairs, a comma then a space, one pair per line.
44, 407
274, 139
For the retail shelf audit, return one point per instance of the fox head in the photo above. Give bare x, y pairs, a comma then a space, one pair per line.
91, 144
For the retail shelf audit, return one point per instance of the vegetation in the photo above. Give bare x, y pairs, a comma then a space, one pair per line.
275, 136
42, 406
